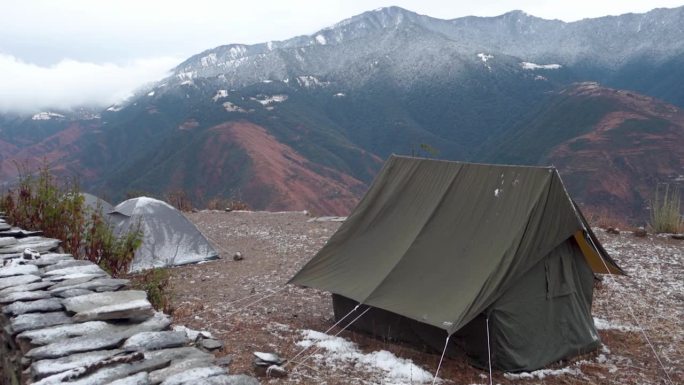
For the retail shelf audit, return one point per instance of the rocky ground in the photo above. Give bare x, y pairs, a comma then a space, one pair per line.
248, 306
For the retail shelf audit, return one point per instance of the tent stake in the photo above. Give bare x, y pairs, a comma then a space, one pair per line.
489, 353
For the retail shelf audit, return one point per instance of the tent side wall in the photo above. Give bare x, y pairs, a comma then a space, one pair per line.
546, 316
393, 327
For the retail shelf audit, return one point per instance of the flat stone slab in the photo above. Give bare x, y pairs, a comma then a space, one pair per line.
38, 244
155, 340
62, 264
211, 344
55, 333
18, 270
71, 282
7, 241
75, 345
41, 305
16, 232
18, 280
180, 367
50, 259
137, 379
4, 258
24, 296
38, 285
79, 376
87, 269
179, 354
235, 379
194, 374
129, 304
69, 277
72, 293
32, 321
43, 368
98, 284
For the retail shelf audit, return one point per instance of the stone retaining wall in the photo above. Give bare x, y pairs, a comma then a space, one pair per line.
66, 321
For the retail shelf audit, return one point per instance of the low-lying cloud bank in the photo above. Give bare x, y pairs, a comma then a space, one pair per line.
28, 88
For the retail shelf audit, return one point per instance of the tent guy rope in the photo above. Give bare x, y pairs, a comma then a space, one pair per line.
326, 332
489, 352
631, 311
439, 366
336, 334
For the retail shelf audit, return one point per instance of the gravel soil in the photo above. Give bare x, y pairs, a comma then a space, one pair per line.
248, 306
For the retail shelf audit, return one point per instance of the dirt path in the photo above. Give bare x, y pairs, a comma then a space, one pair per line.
213, 296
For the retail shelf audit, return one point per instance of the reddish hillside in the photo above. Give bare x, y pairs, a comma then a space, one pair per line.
612, 147
284, 180
56, 149
617, 165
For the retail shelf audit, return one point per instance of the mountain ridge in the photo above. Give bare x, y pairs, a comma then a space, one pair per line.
333, 104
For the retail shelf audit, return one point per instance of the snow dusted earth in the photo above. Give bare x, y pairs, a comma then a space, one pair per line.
247, 305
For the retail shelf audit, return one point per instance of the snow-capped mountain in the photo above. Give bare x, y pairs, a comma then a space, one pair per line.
404, 43
305, 123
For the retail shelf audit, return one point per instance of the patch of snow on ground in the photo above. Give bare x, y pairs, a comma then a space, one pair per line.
237, 51
339, 351
186, 75
321, 39
309, 81
533, 66
602, 324
543, 373
115, 108
151, 93
340, 95
265, 100
230, 107
208, 60
484, 57
46, 116
220, 94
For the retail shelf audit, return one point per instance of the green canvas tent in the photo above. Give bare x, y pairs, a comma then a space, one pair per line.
439, 248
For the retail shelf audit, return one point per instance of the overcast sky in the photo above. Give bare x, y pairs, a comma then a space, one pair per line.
64, 52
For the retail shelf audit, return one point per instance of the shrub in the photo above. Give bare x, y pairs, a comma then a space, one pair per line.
101, 246
666, 214
40, 202
226, 204
180, 200
155, 282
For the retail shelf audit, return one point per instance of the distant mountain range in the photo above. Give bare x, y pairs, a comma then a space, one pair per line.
306, 123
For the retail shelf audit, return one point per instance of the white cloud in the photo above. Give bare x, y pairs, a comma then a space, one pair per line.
29, 88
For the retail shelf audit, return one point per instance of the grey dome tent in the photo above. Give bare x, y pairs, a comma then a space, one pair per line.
169, 239
93, 202
438, 248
